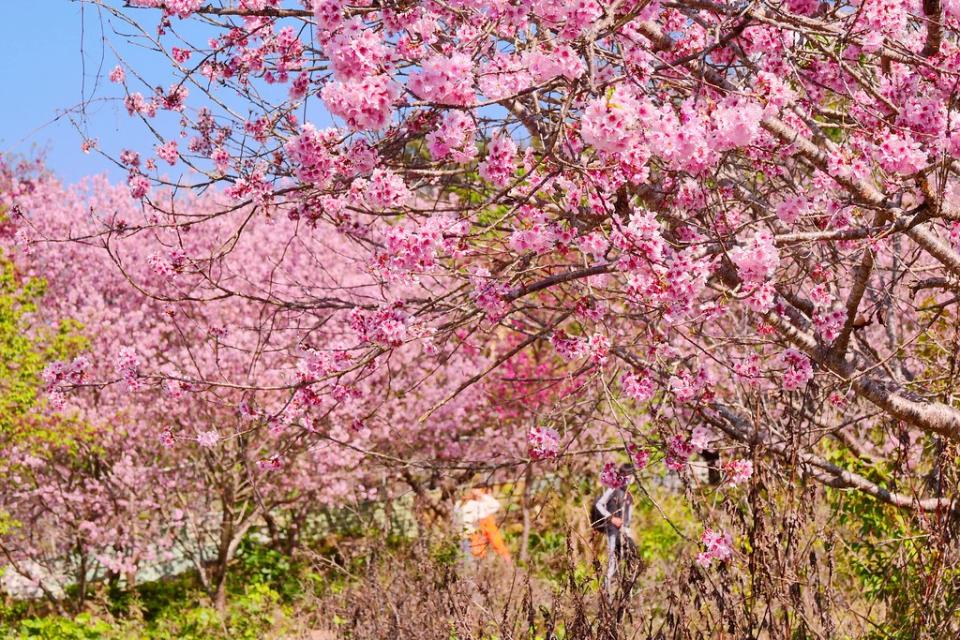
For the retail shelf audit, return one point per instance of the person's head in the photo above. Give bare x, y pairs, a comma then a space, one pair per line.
626, 470
477, 491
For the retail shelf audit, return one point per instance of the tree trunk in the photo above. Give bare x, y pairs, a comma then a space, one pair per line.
525, 505
218, 578
220, 593
712, 458
82, 577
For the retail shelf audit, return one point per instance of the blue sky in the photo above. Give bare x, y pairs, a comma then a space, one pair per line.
46, 62
55, 56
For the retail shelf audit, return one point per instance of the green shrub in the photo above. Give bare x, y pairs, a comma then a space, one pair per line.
259, 564
83, 627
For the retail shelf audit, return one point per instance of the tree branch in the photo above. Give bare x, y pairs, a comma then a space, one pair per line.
934, 14
830, 474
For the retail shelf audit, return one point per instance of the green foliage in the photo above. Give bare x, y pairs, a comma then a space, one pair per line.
447, 552
26, 347
249, 616
547, 541
260, 565
893, 558
255, 611
656, 539
161, 598
490, 215
21, 359
175, 611
190, 623
83, 627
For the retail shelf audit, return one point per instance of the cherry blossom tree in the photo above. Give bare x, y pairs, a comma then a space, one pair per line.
165, 463
723, 227
686, 191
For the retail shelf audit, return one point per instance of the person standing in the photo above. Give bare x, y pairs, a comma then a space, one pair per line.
610, 515
478, 525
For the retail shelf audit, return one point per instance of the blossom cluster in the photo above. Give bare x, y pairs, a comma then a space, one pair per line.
679, 450
543, 443
738, 471
500, 162
798, 369
637, 386
128, 367
444, 80
611, 477
718, 546
639, 456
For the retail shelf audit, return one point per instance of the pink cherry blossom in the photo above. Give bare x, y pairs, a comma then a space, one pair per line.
543, 443
454, 137
444, 80
611, 478
798, 369
499, 165
608, 122
679, 450
638, 386
701, 437
208, 439
639, 456
738, 471
365, 104
717, 547
355, 52
128, 367
562, 61
168, 152
901, 154
757, 259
